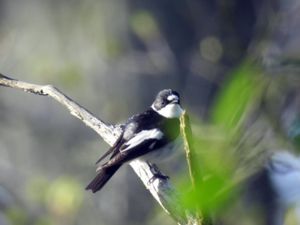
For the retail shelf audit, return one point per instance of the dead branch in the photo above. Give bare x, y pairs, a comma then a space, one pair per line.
161, 189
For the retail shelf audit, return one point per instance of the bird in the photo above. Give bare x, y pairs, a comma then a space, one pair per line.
150, 136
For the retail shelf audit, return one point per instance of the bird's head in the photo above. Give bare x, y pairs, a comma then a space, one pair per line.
167, 104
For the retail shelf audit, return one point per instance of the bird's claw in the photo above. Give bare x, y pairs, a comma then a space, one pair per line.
158, 176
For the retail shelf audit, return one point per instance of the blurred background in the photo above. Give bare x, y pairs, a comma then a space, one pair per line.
235, 64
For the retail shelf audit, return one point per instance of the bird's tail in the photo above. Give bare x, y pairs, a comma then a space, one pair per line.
104, 174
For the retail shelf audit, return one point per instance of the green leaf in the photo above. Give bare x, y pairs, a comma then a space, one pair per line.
238, 93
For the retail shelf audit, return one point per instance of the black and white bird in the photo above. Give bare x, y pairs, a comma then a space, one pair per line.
150, 136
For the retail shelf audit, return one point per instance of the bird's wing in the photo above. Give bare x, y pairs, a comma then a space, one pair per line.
133, 152
144, 135
133, 135
129, 131
116, 145
141, 144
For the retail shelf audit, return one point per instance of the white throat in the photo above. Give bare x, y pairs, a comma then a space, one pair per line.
170, 111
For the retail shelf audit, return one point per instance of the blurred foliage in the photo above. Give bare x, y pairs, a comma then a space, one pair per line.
294, 133
64, 197
144, 25
217, 185
215, 182
211, 49
59, 200
239, 93
17, 215
113, 57
37, 189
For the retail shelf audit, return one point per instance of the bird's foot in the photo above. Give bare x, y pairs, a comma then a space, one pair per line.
156, 174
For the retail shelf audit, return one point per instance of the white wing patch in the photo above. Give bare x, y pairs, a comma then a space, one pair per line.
142, 136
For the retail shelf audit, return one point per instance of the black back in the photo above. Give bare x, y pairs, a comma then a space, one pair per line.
147, 120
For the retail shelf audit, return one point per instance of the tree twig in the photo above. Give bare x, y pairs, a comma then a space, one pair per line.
189, 150
161, 189
193, 165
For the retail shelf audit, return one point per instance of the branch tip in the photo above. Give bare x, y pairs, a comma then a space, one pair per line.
5, 77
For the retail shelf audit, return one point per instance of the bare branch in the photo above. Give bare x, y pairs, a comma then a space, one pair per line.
188, 146
194, 170
107, 132
161, 189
